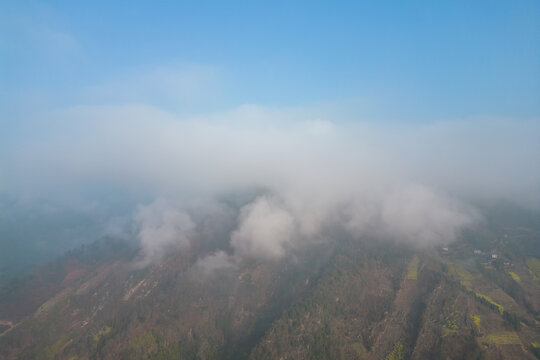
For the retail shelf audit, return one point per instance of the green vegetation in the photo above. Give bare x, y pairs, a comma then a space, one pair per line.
535, 349
324, 343
412, 270
534, 268
451, 326
104, 331
476, 319
502, 338
46, 305
144, 344
181, 351
398, 352
490, 301
52, 351
349, 299
360, 349
514, 276
465, 277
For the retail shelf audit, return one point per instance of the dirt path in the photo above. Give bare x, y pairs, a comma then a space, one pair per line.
6, 323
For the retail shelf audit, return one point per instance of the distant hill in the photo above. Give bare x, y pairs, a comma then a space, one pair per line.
478, 298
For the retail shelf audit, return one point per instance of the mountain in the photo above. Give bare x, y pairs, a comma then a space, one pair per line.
477, 298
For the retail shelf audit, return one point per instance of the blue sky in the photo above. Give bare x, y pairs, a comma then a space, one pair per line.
390, 60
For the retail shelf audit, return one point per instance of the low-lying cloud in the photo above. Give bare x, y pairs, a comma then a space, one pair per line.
414, 183
265, 229
161, 227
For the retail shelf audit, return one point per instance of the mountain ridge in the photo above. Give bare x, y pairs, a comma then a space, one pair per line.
343, 299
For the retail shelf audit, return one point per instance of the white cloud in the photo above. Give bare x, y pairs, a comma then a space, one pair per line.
415, 183
265, 229
418, 215
162, 227
217, 261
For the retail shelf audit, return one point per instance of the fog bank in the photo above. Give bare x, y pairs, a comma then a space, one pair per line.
414, 183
